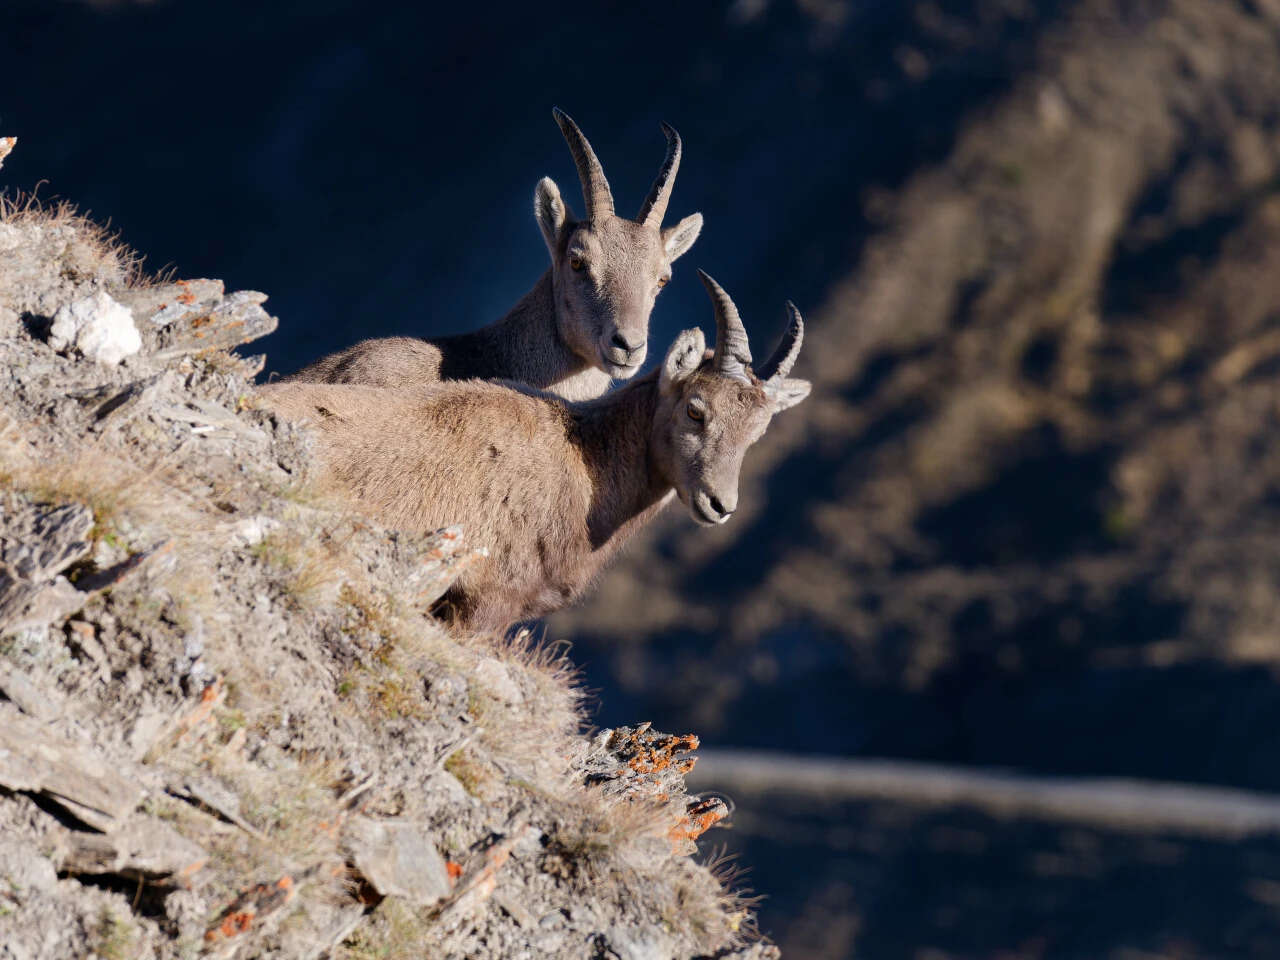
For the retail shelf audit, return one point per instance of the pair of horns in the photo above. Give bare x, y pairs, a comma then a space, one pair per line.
733, 354
595, 187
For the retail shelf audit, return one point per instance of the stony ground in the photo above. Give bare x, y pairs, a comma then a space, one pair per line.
228, 727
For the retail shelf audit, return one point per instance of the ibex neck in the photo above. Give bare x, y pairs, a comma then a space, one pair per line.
614, 435
528, 339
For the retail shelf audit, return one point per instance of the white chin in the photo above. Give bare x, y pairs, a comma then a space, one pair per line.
618, 371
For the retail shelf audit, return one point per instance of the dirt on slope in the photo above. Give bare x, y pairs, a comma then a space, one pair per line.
228, 728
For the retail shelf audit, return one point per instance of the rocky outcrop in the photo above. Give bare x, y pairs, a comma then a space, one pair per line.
228, 726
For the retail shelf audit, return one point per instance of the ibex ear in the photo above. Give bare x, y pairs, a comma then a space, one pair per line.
550, 212
785, 392
683, 358
676, 240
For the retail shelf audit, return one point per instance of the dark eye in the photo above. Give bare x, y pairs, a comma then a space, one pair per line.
575, 262
695, 413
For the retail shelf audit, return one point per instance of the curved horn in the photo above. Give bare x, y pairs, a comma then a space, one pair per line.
732, 351
654, 207
784, 355
595, 188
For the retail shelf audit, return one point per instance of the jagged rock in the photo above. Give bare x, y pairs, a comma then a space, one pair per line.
36, 543
638, 763
211, 324
24, 605
98, 327
6, 145
144, 848
398, 860
36, 761
158, 306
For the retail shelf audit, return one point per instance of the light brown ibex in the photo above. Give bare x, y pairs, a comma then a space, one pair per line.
552, 488
584, 323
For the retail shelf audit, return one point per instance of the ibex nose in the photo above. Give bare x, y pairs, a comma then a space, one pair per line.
718, 506
622, 343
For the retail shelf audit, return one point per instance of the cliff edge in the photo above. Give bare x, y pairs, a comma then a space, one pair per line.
229, 728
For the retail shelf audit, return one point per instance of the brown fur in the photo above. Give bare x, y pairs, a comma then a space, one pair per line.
551, 488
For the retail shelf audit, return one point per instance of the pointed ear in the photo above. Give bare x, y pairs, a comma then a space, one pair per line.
785, 392
683, 358
550, 212
676, 240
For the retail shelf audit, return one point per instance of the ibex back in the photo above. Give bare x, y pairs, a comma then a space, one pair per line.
584, 323
551, 488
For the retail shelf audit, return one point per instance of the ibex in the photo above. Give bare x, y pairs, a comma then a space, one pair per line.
585, 322
552, 488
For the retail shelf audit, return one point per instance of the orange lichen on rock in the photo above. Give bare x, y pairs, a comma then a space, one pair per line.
654, 753
259, 901
700, 816
210, 697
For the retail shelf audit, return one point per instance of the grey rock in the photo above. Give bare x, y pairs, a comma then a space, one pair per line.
234, 320
398, 860
161, 305
24, 606
144, 847
38, 541
34, 760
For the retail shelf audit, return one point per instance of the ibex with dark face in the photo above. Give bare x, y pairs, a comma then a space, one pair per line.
585, 322
552, 488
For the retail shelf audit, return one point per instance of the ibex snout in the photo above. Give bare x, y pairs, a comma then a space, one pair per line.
622, 350
709, 507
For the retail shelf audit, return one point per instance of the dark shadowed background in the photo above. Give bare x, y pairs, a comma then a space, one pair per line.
1029, 518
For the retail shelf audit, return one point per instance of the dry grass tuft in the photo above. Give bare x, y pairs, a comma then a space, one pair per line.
738, 901
589, 841
102, 252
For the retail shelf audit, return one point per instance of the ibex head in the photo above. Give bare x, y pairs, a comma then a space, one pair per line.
607, 270
712, 406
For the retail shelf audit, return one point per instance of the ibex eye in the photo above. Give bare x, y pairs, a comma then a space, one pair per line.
695, 413
575, 262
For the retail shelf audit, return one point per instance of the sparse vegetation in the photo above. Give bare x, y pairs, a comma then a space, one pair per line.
266, 666
115, 936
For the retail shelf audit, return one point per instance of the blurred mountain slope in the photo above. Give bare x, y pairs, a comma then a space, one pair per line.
1035, 483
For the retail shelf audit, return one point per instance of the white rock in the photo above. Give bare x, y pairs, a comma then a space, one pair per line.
253, 530
98, 327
